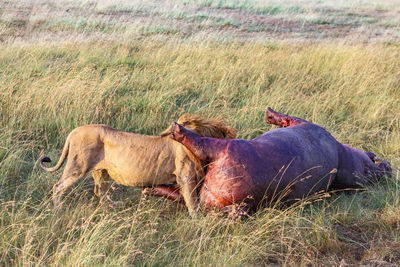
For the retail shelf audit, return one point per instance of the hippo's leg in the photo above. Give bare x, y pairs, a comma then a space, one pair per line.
170, 192
282, 120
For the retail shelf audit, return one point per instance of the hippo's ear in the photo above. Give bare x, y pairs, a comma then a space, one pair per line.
175, 127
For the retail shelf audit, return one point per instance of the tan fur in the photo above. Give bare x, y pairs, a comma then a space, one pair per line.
133, 159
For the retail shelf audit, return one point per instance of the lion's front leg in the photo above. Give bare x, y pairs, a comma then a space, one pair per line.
189, 193
187, 180
100, 178
101, 187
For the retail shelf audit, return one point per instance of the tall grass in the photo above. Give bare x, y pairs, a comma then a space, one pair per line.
48, 90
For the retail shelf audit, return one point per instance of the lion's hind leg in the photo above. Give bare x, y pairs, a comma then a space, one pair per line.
78, 165
70, 176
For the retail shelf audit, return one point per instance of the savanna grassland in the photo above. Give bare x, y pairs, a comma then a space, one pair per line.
138, 66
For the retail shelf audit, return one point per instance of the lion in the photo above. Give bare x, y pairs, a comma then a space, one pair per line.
133, 159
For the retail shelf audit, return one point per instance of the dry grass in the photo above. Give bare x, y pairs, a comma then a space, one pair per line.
141, 85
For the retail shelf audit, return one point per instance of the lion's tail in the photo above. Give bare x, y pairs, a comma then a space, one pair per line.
60, 161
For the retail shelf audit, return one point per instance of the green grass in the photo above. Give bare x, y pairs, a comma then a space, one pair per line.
220, 20
138, 66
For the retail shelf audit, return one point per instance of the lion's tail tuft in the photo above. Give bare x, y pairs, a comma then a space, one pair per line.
45, 159
60, 161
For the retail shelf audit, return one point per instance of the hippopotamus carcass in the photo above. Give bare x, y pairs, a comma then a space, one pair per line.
289, 163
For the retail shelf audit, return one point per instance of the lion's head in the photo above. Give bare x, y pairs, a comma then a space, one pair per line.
204, 127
